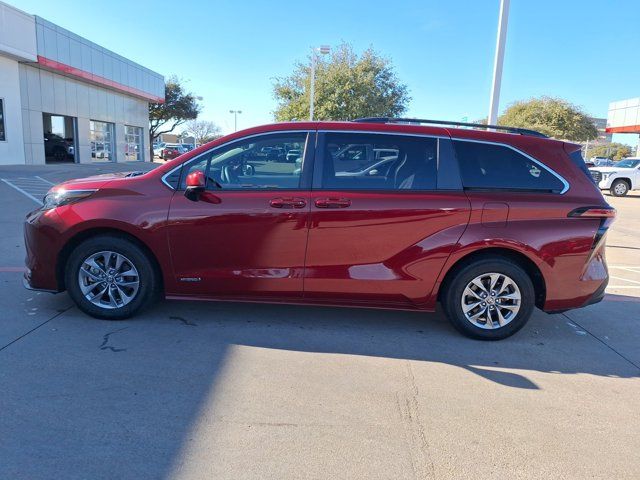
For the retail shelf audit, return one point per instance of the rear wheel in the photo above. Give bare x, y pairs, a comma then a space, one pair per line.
489, 299
619, 188
111, 278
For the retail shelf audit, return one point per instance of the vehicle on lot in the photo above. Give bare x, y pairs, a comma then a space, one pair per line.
157, 147
169, 151
58, 148
489, 224
293, 155
620, 178
601, 161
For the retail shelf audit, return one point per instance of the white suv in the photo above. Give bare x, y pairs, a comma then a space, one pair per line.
620, 178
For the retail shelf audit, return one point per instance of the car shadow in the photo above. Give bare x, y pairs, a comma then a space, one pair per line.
82, 390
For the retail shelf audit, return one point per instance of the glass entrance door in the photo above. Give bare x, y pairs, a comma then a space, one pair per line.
102, 145
133, 144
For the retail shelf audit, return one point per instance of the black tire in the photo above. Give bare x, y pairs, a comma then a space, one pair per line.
149, 288
452, 297
619, 188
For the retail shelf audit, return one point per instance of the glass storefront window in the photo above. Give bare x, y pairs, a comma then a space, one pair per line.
101, 136
2, 134
133, 143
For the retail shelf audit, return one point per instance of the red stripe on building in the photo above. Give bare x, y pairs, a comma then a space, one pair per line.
76, 72
627, 129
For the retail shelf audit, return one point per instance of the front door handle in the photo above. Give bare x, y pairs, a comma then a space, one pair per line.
288, 202
332, 202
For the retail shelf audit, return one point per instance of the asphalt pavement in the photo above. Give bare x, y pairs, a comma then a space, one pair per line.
192, 390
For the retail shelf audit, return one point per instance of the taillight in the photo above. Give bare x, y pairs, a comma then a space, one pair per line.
593, 212
606, 215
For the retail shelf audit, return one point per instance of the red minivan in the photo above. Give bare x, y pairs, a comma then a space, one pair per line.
386, 213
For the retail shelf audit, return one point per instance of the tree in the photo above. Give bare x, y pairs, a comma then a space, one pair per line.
202, 130
347, 86
552, 116
614, 151
177, 108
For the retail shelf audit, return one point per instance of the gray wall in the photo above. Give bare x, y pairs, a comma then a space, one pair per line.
61, 45
44, 91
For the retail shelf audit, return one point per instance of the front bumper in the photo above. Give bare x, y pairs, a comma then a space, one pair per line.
42, 242
26, 283
605, 183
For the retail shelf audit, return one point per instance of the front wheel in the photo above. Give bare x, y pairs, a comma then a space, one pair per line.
619, 188
111, 278
489, 299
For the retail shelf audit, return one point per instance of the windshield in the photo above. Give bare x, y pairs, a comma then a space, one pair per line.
629, 163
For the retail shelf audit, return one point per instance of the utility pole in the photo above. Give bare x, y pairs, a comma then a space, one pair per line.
498, 61
324, 49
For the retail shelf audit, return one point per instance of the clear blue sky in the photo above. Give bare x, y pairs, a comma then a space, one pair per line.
585, 51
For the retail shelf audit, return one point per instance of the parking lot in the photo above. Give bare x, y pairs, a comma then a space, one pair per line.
192, 390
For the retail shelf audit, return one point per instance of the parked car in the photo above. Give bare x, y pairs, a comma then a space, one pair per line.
602, 162
58, 148
157, 148
619, 178
489, 224
169, 152
293, 155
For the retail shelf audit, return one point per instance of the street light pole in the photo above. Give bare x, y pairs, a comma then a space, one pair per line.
195, 141
235, 119
498, 61
324, 49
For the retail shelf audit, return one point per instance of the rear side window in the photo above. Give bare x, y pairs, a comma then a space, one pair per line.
578, 161
486, 166
357, 161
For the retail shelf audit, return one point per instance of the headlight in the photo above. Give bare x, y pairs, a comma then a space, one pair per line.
608, 174
64, 197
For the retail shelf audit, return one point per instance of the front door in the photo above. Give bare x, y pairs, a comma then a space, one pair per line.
246, 236
384, 218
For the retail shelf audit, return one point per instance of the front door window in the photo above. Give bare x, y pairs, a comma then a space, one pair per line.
265, 162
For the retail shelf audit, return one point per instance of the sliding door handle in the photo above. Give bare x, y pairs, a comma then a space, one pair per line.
289, 202
332, 202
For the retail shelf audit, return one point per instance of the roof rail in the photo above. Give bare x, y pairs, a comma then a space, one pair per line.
521, 131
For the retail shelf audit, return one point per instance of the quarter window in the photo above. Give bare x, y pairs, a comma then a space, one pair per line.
3, 136
356, 161
265, 162
496, 167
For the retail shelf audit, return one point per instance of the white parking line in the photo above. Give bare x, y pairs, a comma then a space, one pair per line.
624, 279
25, 193
45, 181
33, 187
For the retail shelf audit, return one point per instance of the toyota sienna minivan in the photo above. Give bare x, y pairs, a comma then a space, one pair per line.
490, 222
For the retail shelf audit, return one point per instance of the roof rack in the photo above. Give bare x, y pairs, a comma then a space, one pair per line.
521, 131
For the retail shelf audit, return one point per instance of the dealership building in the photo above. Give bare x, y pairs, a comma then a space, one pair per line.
64, 98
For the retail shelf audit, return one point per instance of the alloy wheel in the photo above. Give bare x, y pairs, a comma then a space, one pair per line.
108, 279
491, 300
621, 188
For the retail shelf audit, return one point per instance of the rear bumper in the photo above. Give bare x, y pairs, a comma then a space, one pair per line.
598, 295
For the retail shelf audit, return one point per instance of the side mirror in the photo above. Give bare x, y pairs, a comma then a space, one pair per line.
196, 183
